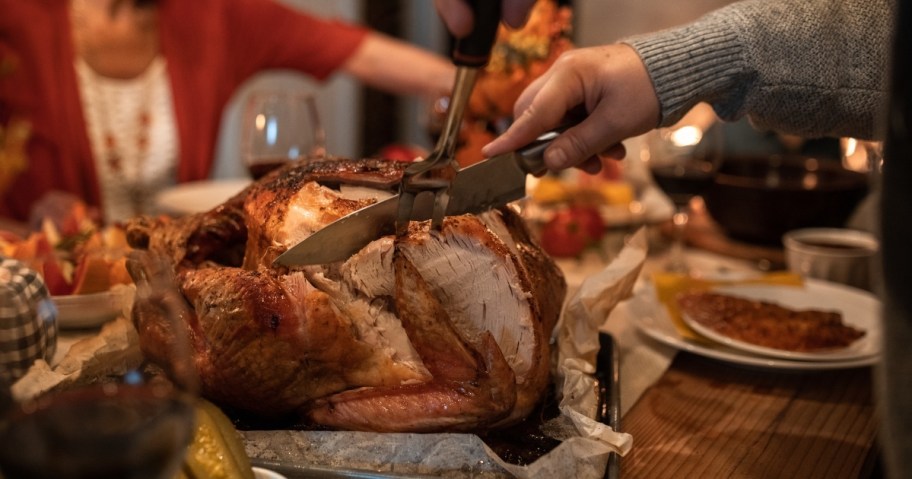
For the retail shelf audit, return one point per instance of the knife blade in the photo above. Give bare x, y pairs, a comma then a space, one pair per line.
487, 184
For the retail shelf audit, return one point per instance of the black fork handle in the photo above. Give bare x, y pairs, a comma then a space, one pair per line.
474, 50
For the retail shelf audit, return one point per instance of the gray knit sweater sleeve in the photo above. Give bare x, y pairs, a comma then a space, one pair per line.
808, 67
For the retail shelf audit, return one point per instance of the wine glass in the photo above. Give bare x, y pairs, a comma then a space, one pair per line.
683, 161
129, 417
279, 126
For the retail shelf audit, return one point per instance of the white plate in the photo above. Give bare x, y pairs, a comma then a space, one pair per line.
198, 196
860, 309
79, 311
260, 473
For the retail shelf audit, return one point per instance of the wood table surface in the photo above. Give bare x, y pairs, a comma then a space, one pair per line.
709, 419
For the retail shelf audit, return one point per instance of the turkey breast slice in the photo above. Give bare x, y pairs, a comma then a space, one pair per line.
365, 296
479, 283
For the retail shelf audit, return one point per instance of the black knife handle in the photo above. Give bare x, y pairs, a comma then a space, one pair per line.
532, 156
474, 50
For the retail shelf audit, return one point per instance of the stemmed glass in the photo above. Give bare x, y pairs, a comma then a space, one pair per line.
279, 126
683, 161
130, 418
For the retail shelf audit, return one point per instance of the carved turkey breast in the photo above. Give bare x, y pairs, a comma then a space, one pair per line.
429, 331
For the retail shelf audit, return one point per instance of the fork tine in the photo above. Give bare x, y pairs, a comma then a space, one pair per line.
406, 203
435, 174
441, 201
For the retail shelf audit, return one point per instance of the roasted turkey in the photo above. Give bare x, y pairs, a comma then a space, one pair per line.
430, 331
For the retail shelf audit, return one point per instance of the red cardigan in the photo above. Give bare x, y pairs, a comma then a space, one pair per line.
211, 46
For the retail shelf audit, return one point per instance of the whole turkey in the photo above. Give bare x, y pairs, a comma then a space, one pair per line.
429, 331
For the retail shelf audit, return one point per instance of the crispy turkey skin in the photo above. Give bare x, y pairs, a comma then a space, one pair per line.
431, 331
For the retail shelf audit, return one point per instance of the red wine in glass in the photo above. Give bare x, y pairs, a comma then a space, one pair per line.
682, 182
278, 127
99, 432
683, 161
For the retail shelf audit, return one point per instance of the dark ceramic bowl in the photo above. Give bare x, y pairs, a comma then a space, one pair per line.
758, 199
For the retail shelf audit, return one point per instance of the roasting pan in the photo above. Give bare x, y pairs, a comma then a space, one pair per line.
607, 374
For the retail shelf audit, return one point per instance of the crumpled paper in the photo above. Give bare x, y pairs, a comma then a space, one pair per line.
586, 443
113, 350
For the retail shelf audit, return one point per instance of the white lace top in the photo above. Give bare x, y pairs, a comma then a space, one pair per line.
133, 134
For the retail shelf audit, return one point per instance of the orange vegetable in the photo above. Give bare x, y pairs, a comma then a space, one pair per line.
90, 261
93, 275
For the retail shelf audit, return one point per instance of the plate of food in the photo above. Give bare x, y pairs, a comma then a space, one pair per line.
810, 324
77, 311
857, 310
83, 266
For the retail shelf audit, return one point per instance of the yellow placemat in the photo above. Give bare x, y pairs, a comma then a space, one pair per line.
668, 285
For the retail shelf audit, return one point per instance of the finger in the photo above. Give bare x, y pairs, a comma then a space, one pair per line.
516, 12
529, 126
589, 138
593, 165
545, 111
573, 147
456, 15
524, 100
616, 152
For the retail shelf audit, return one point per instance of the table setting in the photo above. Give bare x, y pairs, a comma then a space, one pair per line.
653, 354
332, 317
696, 401
695, 405
189, 284
620, 287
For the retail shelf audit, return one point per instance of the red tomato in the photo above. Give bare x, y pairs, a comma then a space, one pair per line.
591, 220
54, 279
571, 230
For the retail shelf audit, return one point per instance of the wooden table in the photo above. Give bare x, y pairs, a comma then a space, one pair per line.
705, 418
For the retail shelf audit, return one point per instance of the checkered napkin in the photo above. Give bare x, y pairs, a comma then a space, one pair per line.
28, 319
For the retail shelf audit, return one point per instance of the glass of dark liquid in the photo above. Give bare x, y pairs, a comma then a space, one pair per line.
125, 416
278, 127
683, 161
